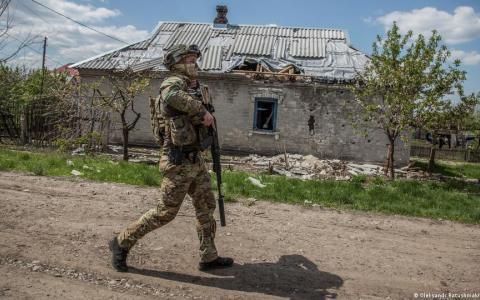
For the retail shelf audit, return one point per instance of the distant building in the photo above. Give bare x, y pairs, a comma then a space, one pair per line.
274, 88
72, 72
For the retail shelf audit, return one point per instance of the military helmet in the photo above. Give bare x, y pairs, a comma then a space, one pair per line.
177, 52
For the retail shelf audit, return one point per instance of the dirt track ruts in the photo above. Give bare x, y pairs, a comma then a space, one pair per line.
54, 232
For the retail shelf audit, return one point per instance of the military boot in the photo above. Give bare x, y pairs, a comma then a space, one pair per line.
219, 262
119, 255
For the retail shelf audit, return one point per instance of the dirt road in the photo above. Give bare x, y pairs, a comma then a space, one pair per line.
54, 232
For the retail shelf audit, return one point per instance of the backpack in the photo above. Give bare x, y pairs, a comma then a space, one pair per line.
157, 120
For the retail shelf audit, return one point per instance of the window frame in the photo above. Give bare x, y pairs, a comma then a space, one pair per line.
274, 117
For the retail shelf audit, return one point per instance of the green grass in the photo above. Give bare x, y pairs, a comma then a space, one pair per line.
99, 168
450, 168
452, 200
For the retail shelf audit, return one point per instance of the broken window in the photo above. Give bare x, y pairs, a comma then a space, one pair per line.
265, 117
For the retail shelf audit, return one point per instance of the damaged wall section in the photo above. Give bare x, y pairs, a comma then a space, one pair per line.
308, 120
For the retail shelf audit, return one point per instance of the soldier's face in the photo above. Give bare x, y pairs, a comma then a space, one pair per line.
190, 59
190, 65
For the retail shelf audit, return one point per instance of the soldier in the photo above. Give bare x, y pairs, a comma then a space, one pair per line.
183, 167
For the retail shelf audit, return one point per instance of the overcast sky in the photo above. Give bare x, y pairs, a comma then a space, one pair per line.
457, 21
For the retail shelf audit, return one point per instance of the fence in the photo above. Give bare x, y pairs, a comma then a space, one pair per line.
33, 122
447, 154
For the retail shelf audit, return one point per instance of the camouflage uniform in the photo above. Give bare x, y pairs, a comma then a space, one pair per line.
190, 177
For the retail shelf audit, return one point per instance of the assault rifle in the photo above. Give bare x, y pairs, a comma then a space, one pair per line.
215, 150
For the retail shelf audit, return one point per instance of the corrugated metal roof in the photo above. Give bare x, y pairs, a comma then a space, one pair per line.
223, 45
309, 47
212, 58
168, 26
142, 45
190, 34
149, 64
99, 64
319, 33
265, 30
253, 44
280, 50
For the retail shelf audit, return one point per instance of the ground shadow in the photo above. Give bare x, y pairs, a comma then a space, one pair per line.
293, 276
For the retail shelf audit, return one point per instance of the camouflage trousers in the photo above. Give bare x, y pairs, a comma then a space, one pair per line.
189, 177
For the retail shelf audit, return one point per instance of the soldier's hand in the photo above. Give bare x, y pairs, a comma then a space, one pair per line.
207, 119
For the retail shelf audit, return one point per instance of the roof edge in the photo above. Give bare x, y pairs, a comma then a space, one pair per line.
255, 25
102, 54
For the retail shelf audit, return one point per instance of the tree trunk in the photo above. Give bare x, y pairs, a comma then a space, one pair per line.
125, 132
391, 153
125, 143
431, 161
386, 166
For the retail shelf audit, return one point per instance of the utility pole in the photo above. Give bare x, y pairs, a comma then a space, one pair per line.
43, 62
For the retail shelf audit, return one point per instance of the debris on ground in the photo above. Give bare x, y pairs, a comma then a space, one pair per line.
76, 173
256, 182
78, 151
310, 167
299, 166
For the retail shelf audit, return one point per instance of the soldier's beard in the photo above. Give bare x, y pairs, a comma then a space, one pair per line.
191, 70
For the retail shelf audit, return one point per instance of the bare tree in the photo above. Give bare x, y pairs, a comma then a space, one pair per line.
6, 25
125, 87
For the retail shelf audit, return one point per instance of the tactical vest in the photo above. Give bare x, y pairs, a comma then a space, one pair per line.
157, 120
173, 128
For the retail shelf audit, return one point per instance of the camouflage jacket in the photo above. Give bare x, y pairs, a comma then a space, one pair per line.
175, 101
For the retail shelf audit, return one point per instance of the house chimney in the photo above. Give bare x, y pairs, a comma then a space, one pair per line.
221, 19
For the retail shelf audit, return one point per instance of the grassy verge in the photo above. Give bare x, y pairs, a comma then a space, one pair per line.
451, 200
99, 168
450, 168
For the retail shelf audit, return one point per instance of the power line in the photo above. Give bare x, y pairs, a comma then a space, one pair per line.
80, 23
35, 50
33, 12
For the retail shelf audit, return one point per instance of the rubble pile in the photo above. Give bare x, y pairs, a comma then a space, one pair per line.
137, 154
290, 165
311, 167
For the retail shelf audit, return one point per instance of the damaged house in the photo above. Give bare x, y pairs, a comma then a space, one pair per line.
274, 88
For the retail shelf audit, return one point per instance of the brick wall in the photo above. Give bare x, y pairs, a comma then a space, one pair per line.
334, 136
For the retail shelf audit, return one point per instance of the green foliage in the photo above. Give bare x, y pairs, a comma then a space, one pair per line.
35, 95
38, 169
91, 142
406, 78
99, 168
453, 169
447, 200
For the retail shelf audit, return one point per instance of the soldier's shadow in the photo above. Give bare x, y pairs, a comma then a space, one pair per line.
293, 276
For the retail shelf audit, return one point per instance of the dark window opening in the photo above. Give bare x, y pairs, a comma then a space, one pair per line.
311, 125
265, 117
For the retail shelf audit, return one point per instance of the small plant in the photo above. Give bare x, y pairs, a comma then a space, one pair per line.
6, 164
149, 179
38, 170
91, 142
24, 156
359, 179
377, 180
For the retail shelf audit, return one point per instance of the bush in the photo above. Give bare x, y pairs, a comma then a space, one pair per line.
91, 143
38, 170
